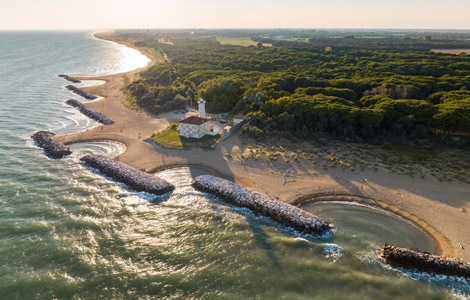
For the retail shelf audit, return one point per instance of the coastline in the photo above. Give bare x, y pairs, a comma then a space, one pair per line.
438, 208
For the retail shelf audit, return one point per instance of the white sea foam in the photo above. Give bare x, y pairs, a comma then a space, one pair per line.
332, 251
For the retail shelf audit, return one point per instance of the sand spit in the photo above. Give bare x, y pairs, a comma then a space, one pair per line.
281, 212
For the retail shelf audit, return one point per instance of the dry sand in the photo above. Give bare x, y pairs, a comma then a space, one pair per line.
440, 208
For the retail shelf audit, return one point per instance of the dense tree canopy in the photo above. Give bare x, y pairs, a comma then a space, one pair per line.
344, 92
221, 94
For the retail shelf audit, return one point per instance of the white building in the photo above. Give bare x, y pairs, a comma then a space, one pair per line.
194, 127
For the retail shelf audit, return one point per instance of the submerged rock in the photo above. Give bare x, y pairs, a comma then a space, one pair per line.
71, 79
279, 211
80, 92
52, 148
423, 261
135, 179
89, 112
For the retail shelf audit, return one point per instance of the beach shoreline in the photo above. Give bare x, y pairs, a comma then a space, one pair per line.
438, 208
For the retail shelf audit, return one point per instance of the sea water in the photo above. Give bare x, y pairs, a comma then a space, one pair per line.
67, 232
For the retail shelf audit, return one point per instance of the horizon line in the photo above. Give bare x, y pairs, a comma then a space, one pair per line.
242, 28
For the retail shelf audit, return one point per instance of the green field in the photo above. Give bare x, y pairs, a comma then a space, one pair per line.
236, 41
168, 139
240, 42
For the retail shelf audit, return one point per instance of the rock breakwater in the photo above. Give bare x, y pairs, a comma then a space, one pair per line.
80, 92
68, 78
52, 148
281, 212
89, 112
423, 261
135, 179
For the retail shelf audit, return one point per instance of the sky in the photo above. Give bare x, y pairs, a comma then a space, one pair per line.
111, 14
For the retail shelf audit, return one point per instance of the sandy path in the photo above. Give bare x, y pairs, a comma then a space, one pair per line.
440, 208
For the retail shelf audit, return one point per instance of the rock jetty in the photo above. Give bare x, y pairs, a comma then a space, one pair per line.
80, 92
281, 212
423, 261
71, 79
135, 179
52, 148
89, 112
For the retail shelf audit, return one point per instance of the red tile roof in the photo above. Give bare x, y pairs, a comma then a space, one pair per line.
194, 121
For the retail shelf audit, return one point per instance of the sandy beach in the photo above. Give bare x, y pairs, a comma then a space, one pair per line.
438, 207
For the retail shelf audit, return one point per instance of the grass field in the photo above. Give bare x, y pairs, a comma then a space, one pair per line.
239, 42
171, 139
236, 42
168, 139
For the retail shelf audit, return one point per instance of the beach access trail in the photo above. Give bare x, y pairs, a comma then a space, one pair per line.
439, 208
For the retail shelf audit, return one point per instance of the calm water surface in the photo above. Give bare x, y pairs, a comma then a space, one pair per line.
66, 232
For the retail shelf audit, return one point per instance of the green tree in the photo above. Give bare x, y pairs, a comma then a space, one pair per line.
221, 94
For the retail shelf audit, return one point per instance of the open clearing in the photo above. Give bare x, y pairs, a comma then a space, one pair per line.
452, 51
245, 42
237, 42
